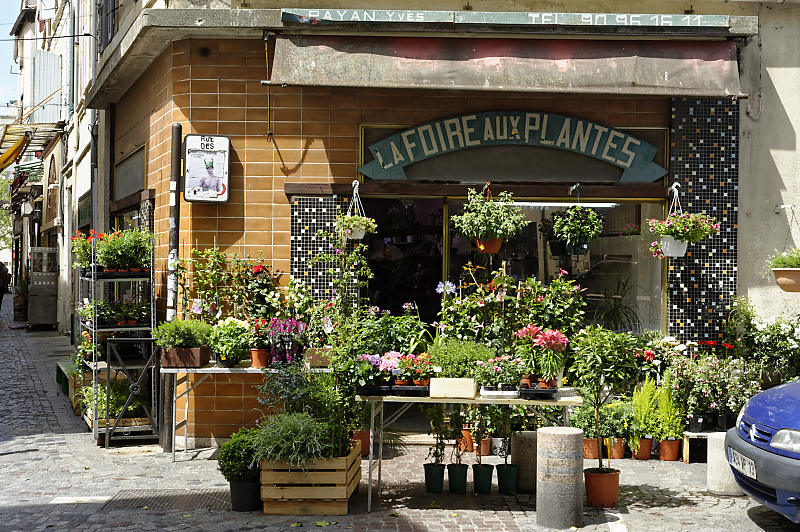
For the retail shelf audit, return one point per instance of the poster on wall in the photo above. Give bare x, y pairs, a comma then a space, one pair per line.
206, 163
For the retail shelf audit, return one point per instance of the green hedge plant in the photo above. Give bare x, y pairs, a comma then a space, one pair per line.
189, 333
236, 457
295, 439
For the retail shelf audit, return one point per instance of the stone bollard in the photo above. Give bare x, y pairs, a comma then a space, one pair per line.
559, 477
523, 454
719, 477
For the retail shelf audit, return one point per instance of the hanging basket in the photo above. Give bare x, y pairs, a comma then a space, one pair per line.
788, 279
356, 234
672, 247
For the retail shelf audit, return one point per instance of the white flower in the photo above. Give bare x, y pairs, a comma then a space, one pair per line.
692, 344
670, 340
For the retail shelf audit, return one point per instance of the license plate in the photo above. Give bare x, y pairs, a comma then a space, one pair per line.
741, 463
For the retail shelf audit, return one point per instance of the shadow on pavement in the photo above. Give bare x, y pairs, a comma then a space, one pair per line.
766, 519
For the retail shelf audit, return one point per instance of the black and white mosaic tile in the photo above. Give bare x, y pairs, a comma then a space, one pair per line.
704, 160
310, 215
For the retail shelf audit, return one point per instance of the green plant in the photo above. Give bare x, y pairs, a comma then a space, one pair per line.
486, 218
434, 413
457, 357
785, 259
686, 227
217, 286
117, 396
645, 420
352, 222
500, 370
577, 225
230, 340
176, 333
236, 457
82, 247
668, 412
604, 364
616, 420
293, 438
614, 311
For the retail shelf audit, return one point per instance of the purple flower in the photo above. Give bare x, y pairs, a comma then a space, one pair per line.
408, 306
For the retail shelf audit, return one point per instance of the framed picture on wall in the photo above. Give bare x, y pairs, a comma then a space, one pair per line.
206, 165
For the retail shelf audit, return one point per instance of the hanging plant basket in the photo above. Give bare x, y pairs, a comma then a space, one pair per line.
788, 279
357, 234
355, 224
673, 248
488, 246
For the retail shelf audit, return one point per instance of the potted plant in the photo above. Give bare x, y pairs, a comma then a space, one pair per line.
423, 370
183, 343
549, 346
230, 341
619, 419
236, 463
678, 230
406, 370
260, 341
583, 418
457, 471
507, 474
576, 227
434, 471
82, 247
670, 422
287, 337
499, 376
645, 421
481, 427
490, 220
604, 364
354, 227
785, 266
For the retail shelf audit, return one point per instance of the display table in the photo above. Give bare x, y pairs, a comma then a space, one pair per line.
565, 398
205, 371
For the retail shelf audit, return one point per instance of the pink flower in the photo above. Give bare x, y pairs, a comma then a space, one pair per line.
563, 271
479, 362
552, 340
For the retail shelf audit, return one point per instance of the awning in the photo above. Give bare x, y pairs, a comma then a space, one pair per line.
16, 138
652, 68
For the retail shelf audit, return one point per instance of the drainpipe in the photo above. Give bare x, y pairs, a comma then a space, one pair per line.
71, 78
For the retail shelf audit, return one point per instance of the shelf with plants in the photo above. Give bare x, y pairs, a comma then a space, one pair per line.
117, 332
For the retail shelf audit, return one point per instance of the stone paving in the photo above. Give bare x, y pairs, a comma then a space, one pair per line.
54, 477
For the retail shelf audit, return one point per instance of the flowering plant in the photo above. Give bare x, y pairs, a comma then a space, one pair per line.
262, 283
82, 247
124, 249
259, 333
685, 227
353, 222
230, 340
549, 346
499, 370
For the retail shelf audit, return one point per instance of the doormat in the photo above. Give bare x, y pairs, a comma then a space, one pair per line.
173, 499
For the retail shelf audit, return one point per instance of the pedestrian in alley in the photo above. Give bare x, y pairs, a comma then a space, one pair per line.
5, 279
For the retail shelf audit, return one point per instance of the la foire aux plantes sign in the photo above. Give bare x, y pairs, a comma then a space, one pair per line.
392, 154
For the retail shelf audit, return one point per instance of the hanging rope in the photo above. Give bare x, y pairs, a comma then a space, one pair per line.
356, 208
675, 203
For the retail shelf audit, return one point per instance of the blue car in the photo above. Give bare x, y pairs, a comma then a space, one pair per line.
764, 449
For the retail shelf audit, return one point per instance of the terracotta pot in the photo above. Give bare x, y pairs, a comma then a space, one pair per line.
645, 449
400, 382
617, 448
130, 322
542, 382
590, 449
525, 381
485, 448
602, 487
363, 437
552, 383
185, 357
135, 270
788, 279
466, 444
259, 358
121, 322
422, 382
488, 246
668, 450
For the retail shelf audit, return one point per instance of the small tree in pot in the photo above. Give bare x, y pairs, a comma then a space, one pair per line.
604, 364
236, 463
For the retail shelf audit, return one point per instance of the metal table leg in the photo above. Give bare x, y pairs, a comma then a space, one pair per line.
380, 454
371, 436
174, 421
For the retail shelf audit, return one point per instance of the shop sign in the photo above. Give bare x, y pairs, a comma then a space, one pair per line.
392, 154
85, 209
514, 18
206, 163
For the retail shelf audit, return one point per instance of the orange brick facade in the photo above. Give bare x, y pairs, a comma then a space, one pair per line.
214, 87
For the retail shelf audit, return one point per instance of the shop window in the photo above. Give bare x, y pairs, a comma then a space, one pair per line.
416, 246
129, 175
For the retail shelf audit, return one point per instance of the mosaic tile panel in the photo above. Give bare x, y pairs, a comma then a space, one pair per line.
309, 216
704, 160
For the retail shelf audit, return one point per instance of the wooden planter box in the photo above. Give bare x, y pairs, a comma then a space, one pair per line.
324, 488
185, 357
453, 388
124, 422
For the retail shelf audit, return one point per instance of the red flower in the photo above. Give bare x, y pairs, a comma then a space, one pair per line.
727, 345
712, 343
258, 268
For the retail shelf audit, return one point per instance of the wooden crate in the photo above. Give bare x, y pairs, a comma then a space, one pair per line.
324, 488
124, 422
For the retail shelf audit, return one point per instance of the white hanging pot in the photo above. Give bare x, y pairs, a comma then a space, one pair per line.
672, 247
356, 234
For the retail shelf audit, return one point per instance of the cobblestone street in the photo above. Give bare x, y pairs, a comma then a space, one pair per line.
54, 476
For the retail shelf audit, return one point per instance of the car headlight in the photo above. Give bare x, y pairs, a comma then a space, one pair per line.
787, 440
739, 418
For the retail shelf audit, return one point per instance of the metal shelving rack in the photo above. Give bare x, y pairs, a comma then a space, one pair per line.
142, 374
